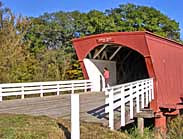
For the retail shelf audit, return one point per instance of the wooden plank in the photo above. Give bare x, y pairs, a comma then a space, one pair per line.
113, 55
97, 53
145, 113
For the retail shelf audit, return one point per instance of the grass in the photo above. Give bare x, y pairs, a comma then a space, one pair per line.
134, 133
28, 127
42, 127
92, 131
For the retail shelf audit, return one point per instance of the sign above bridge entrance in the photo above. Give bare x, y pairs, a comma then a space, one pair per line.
104, 40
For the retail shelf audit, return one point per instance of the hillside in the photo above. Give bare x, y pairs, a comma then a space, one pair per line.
42, 127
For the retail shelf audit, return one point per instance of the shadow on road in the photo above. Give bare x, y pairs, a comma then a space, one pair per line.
99, 112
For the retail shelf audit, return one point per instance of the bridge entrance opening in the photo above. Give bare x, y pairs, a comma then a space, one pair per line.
125, 64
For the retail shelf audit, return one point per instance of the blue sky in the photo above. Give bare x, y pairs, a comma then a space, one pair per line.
171, 8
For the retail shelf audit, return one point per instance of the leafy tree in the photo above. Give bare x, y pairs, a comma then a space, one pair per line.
98, 22
52, 33
131, 17
53, 65
26, 53
74, 72
14, 56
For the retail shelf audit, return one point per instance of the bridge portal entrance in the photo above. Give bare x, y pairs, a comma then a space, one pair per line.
125, 64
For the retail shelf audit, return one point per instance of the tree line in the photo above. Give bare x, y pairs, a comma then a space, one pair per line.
40, 49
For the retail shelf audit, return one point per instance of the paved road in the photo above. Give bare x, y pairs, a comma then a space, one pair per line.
91, 106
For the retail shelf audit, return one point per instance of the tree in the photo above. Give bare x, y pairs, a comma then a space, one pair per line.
54, 65
14, 58
98, 22
25, 54
49, 46
52, 33
131, 17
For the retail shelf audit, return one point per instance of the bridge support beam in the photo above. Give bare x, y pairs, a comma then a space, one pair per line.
145, 113
140, 124
160, 122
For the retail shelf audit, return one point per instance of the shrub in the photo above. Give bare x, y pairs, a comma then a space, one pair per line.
175, 128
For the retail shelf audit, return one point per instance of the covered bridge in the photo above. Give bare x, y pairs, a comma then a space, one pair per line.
132, 56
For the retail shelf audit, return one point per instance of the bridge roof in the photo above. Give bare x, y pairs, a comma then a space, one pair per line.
136, 39
163, 60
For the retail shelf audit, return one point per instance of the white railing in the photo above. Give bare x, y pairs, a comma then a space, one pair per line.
117, 96
22, 89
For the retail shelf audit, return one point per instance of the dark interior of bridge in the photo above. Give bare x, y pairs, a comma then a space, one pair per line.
130, 65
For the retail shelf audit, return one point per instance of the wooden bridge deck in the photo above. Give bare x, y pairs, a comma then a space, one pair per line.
91, 106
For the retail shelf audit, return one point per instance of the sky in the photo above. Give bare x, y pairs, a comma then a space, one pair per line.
172, 8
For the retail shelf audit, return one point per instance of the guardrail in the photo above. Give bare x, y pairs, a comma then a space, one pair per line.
119, 95
22, 89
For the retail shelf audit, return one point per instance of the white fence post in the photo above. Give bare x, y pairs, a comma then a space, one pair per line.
75, 123
131, 102
147, 99
41, 87
22, 96
142, 99
111, 112
72, 88
58, 93
152, 88
137, 98
85, 86
1, 97
150, 94
138, 103
122, 107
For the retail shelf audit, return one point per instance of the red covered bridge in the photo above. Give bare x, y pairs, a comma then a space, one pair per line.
131, 56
